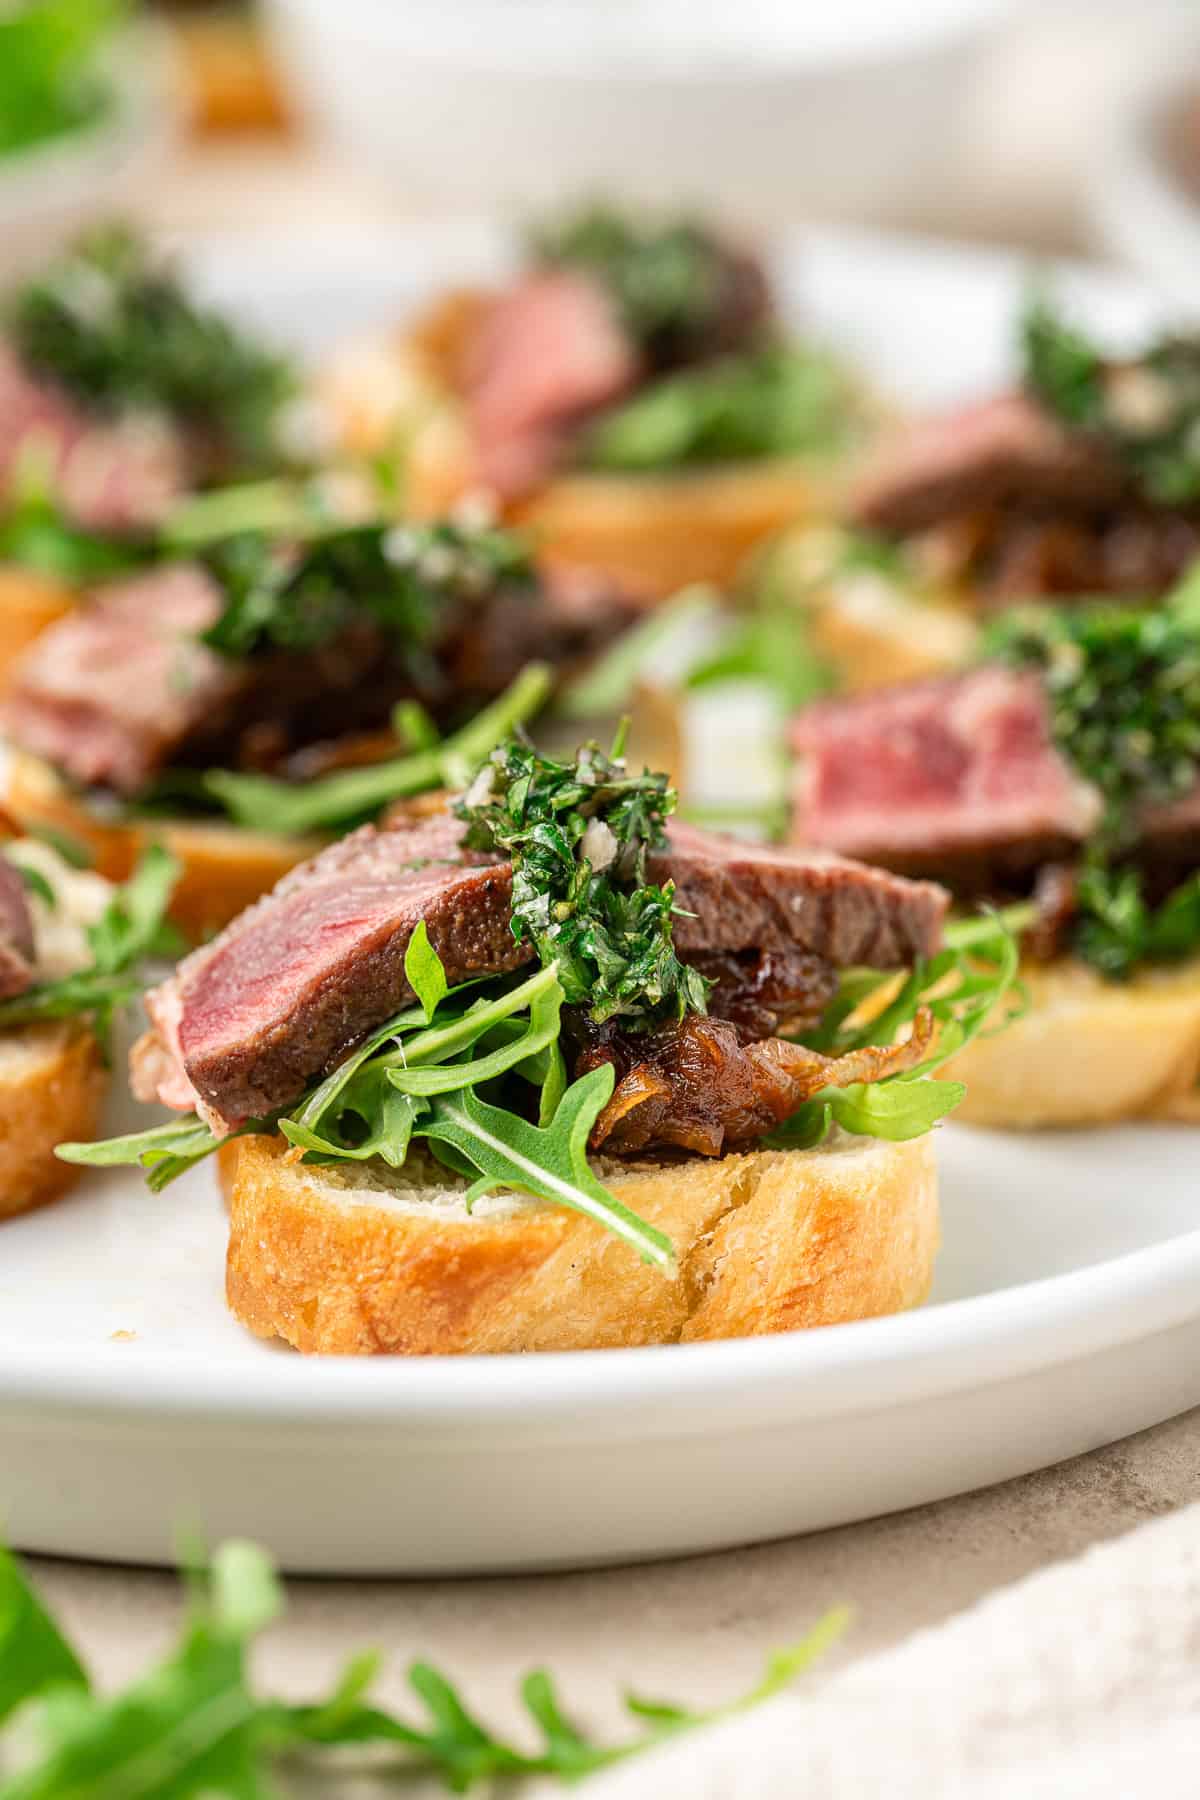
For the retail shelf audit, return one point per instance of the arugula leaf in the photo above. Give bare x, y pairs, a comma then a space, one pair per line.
549, 1161
36, 534
971, 984
194, 1727
607, 686
335, 802
424, 972
164, 1151
780, 401
53, 77
34, 1655
37, 884
132, 928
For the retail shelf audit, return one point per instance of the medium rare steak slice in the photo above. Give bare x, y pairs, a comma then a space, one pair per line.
109, 692
16, 932
997, 451
311, 970
111, 475
544, 355
738, 896
305, 974
957, 777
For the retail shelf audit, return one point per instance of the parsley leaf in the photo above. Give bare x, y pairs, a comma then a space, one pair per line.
194, 1726
578, 834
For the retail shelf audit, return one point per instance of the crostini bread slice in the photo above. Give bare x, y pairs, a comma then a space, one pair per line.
653, 533
353, 1260
1089, 1051
52, 1087
224, 868
29, 603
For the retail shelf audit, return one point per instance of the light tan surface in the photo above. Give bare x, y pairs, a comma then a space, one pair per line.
52, 1086
696, 1629
769, 1241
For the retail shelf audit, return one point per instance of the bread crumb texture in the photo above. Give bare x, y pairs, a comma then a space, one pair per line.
334, 1262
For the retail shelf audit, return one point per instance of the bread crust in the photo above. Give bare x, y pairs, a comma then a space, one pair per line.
769, 1241
52, 1087
224, 867
29, 603
1089, 1051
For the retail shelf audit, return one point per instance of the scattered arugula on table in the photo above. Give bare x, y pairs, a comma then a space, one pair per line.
1124, 690
113, 324
1145, 409
132, 928
784, 400
669, 281
578, 834
194, 1725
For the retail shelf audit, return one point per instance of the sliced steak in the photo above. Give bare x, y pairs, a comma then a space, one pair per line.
544, 355
307, 973
985, 455
109, 474
737, 896
957, 778
109, 692
17, 947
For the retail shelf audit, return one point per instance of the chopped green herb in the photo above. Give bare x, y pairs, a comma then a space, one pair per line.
1145, 409
193, 1726
114, 326
578, 834
401, 577
782, 401
669, 282
1124, 689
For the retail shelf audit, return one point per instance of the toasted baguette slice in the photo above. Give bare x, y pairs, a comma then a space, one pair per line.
351, 1261
1089, 1051
224, 867
52, 1087
29, 603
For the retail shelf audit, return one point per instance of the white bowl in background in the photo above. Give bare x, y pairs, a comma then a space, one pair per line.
55, 189
766, 109
1141, 208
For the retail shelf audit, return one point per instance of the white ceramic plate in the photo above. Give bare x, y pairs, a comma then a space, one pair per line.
1066, 1312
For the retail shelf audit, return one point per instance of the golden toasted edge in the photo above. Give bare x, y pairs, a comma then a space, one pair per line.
334, 1262
224, 868
52, 1087
29, 603
1089, 1051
